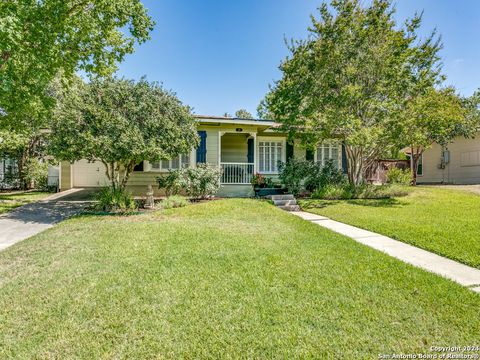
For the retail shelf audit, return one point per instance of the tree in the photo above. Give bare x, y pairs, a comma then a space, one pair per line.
243, 114
436, 116
39, 39
351, 79
121, 123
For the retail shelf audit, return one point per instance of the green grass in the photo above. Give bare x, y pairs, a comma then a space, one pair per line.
10, 201
222, 279
443, 221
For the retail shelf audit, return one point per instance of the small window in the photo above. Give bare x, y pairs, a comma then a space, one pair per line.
327, 151
173, 164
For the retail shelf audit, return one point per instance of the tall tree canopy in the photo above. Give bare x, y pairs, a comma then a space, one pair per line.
352, 78
121, 123
38, 39
243, 114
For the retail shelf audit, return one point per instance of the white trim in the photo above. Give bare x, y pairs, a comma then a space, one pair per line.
238, 122
270, 139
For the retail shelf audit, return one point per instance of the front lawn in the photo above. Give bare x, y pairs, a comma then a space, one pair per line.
440, 220
222, 279
10, 201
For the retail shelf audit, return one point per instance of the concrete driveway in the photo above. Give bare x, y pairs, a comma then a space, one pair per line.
30, 219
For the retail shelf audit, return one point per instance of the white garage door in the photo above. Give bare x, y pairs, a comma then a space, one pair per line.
86, 174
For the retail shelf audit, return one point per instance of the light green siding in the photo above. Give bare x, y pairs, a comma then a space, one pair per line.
65, 175
234, 147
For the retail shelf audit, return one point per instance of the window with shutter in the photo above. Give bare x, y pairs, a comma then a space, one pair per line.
202, 147
270, 154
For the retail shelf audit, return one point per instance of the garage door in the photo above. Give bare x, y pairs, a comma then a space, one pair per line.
87, 174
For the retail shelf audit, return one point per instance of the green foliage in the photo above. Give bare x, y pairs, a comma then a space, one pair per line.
36, 174
40, 39
201, 181
364, 191
399, 176
293, 173
197, 182
171, 182
320, 176
259, 180
120, 123
351, 77
435, 116
174, 201
243, 114
300, 175
115, 201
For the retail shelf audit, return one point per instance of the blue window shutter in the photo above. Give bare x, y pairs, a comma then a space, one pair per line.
344, 159
289, 151
202, 147
250, 153
309, 155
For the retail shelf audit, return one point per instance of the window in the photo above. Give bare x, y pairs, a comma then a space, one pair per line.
420, 166
176, 163
327, 152
269, 154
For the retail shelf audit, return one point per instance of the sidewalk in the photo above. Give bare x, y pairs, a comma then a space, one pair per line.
460, 273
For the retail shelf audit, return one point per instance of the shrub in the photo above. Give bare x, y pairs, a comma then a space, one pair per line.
293, 174
320, 176
35, 174
366, 191
171, 182
174, 201
201, 181
258, 180
399, 176
115, 200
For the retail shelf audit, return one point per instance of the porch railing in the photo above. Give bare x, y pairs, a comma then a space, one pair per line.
237, 173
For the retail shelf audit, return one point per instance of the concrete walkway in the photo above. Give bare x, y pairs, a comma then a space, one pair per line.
30, 219
462, 274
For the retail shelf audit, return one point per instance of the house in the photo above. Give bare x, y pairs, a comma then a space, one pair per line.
457, 163
8, 171
242, 147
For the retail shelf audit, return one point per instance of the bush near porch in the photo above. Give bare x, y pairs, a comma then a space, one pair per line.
223, 279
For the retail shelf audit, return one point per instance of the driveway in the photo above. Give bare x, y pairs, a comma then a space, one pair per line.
30, 219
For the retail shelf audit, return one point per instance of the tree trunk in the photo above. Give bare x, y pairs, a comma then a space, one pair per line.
355, 165
118, 174
414, 157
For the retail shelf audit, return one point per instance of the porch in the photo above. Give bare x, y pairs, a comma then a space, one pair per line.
237, 157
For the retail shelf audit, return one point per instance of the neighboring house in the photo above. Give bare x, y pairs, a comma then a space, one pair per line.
457, 163
8, 171
242, 147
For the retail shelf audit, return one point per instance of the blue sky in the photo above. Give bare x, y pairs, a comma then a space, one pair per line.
220, 56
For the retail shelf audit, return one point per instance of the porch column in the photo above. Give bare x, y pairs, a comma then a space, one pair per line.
255, 157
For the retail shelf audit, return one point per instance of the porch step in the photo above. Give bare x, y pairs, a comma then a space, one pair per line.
289, 207
285, 202
282, 197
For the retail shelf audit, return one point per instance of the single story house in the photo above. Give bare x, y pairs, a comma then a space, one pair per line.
242, 147
457, 163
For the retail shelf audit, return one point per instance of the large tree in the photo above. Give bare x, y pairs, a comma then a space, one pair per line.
243, 114
121, 123
39, 39
352, 78
436, 116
